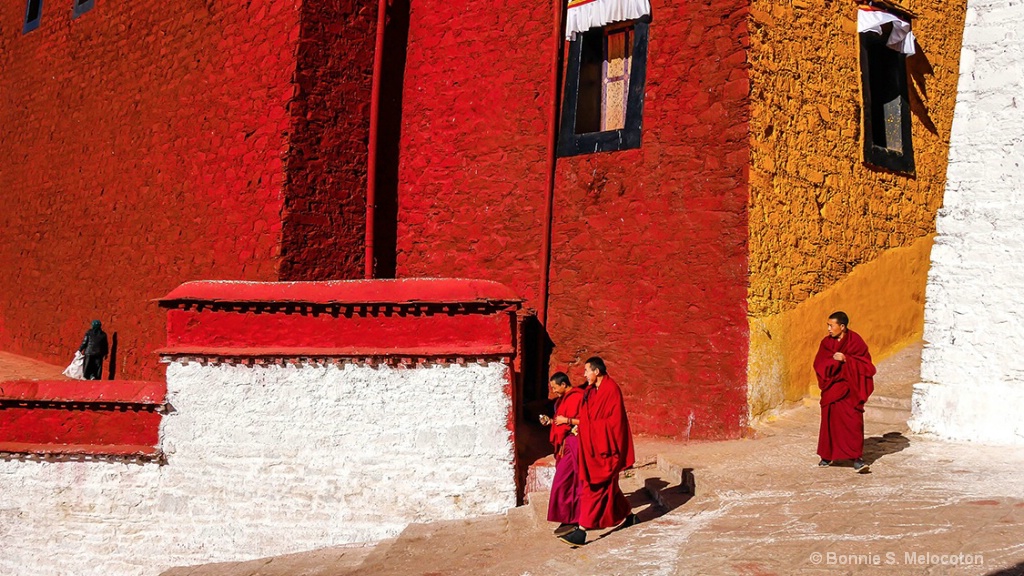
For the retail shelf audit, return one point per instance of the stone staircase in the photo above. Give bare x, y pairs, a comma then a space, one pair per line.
887, 410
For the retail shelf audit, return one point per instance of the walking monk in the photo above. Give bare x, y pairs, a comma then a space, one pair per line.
606, 448
846, 378
564, 505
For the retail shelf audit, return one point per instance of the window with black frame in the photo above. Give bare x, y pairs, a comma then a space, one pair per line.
887, 129
33, 15
80, 7
602, 108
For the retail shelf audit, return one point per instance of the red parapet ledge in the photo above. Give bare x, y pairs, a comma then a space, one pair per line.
76, 418
344, 292
421, 318
84, 391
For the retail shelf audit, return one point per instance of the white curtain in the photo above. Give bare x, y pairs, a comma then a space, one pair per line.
583, 15
901, 39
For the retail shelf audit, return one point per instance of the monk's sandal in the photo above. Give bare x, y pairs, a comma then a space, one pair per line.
577, 537
824, 463
564, 529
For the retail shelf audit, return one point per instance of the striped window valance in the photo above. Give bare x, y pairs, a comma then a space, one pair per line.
583, 15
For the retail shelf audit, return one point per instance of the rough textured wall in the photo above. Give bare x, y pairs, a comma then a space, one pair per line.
325, 203
973, 385
649, 262
268, 460
471, 174
816, 210
140, 146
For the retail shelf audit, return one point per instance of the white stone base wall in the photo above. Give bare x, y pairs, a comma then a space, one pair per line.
973, 377
267, 460
977, 417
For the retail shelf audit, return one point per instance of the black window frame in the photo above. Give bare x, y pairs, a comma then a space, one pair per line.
873, 55
79, 7
629, 137
32, 24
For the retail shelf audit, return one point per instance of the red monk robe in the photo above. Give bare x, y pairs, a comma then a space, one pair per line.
845, 387
606, 448
568, 406
564, 505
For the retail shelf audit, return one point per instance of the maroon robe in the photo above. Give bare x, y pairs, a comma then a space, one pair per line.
564, 505
845, 387
606, 448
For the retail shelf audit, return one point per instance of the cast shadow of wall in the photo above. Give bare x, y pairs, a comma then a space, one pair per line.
918, 68
664, 494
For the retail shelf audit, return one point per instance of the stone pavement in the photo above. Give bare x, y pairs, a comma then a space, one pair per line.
752, 507
14, 367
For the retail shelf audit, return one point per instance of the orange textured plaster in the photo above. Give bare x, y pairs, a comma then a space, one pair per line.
826, 230
816, 210
885, 302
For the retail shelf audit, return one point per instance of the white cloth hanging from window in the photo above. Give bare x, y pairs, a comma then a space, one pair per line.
582, 15
901, 39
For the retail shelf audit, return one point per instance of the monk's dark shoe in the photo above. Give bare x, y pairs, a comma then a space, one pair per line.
631, 520
859, 466
564, 529
577, 537
824, 463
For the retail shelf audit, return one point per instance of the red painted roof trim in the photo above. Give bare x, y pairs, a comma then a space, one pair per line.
85, 449
474, 351
402, 291
84, 391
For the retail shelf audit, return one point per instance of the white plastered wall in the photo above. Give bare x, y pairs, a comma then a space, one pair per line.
972, 376
267, 460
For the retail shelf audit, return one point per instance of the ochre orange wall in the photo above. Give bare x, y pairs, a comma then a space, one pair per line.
818, 214
885, 301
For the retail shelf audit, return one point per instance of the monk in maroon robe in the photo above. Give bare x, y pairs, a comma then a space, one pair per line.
564, 505
846, 379
606, 449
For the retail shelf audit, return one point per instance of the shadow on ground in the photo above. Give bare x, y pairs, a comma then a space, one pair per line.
1017, 570
876, 447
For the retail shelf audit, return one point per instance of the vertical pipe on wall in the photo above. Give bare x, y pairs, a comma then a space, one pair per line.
371, 162
558, 51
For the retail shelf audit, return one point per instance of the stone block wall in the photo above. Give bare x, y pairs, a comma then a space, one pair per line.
143, 145
285, 445
972, 381
649, 264
140, 146
269, 460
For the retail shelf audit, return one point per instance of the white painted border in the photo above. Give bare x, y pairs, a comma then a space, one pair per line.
268, 460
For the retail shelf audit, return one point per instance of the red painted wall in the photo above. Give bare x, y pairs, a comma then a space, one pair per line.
325, 203
649, 265
144, 144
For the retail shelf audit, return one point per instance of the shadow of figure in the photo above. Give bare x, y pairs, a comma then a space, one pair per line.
112, 366
888, 443
1015, 570
918, 66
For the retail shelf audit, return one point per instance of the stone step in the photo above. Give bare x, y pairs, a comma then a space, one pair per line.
879, 409
887, 410
669, 485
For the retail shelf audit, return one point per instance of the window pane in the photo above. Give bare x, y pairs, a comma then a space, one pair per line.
588, 107
618, 48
